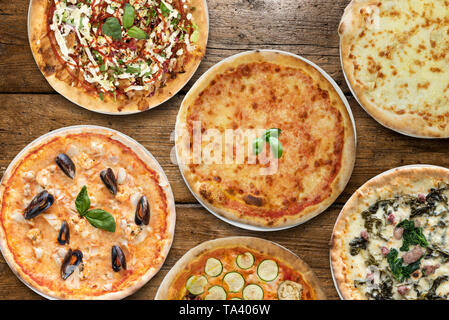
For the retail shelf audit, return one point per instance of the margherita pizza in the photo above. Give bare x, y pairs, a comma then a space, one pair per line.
118, 56
240, 268
390, 240
270, 104
85, 213
394, 55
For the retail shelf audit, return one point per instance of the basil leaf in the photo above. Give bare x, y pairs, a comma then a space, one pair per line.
276, 147
274, 132
137, 33
82, 201
112, 28
165, 11
128, 16
101, 219
258, 146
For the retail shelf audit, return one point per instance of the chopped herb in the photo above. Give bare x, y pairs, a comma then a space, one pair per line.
101, 96
132, 70
165, 11
103, 68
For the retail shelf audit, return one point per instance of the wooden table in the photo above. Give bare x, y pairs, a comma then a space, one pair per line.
29, 107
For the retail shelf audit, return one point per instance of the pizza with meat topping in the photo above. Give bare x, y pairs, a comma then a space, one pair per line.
390, 240
293, 110
240, 268
116, 56
85, 213
394, 55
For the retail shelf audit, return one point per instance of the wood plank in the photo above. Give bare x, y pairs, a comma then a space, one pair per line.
194, 225
306, 27
26, 117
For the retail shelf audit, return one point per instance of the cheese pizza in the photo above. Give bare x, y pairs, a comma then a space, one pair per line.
390, 240
116, 56
394, 55
85, 213
265, 100
240, 268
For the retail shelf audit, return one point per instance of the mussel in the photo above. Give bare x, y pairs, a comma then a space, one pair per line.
108, 178
142, 212
66, 164
71, 261
118, 259
39, 204
64, 233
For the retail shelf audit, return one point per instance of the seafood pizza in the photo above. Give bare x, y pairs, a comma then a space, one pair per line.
390, 240
240, 268
116, 56
250, 142
85, 213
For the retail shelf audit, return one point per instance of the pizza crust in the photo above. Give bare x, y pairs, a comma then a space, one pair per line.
395, 181
413, 124
48, 64
149, 160
264, 246
347, 161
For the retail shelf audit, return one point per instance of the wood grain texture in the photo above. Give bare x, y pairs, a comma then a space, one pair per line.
30, 108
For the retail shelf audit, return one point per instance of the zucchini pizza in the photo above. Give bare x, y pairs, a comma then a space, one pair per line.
390, 240
394, 56
240, 268
85, 213
115, 56
288, 103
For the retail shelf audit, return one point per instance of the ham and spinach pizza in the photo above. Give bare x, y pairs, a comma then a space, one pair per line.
240, 268
268, 103
116, 56
391, 238
85, 213
394, 55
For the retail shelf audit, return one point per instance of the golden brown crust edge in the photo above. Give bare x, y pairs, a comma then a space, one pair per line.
395, 180
348, 158
37, 30
350, 25
264, 246
149, 160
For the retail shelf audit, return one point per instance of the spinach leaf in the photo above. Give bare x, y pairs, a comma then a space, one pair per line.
82, 201
112, 28
356, 245
128, 16
401, 272
412, 235
135, 32
431, 294
101, 219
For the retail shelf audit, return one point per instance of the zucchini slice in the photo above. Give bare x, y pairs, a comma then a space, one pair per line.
253, 292
245, 260
216, 293
234, 281
213, 267
196, 284
268, 270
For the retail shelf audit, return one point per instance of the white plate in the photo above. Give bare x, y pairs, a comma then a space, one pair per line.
328, 78
338, 217
133, 144
119, 113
